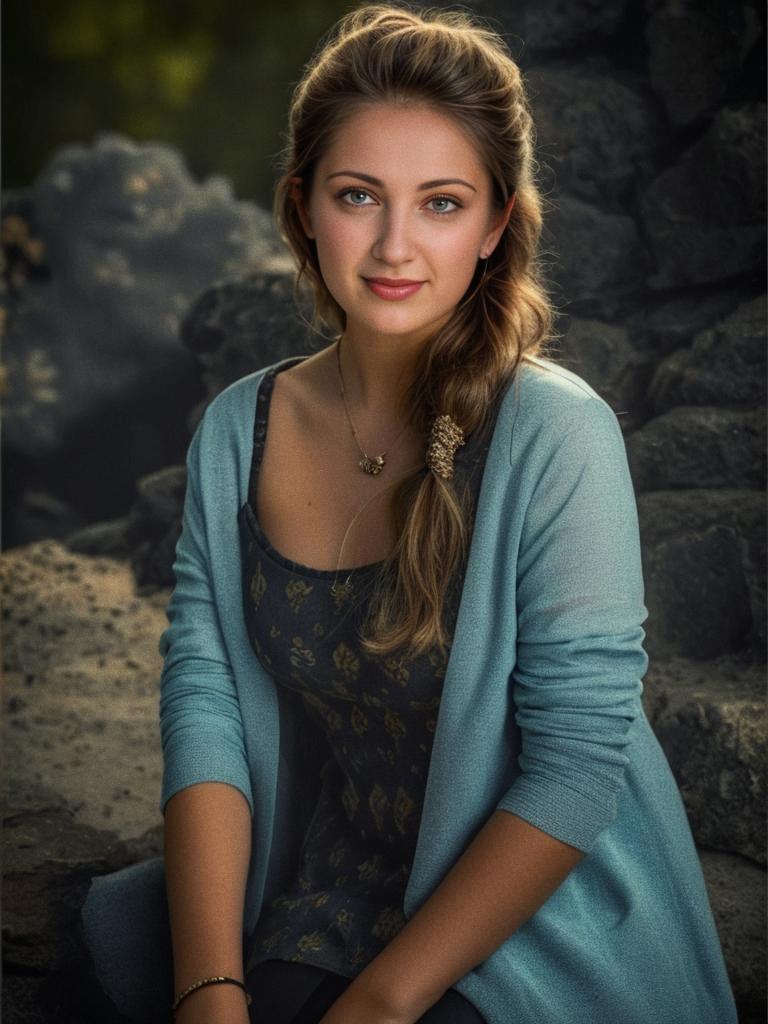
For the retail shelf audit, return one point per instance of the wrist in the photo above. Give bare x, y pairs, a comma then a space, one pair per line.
223, 1001
374, 1002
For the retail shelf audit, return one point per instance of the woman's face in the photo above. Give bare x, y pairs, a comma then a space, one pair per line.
400, 194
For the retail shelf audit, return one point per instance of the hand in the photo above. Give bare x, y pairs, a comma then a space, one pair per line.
355, 1004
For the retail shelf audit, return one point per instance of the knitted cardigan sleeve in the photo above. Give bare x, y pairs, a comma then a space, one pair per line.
576, 683
201, 726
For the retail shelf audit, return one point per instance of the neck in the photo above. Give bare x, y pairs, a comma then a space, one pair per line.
376, 379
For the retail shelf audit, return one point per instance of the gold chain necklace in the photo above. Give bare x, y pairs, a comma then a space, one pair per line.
346, 586
368, 465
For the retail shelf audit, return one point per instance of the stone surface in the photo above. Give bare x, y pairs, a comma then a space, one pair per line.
600, 259
602, 354
695, 53
699, 446
704, 216
154, 525
81, 692
598, 142
116, 241
550, 26
107, 539
737, 891
697, 608
667, 323
697, 593
724, 365
709, 718
237, 326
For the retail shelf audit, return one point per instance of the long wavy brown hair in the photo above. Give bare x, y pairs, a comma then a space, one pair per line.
460, 67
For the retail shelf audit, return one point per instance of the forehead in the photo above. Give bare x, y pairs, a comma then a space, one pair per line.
411, 141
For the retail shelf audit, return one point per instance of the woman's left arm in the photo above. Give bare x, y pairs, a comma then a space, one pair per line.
508, 870
577, 682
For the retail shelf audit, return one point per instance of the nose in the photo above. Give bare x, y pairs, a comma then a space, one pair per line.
394, 241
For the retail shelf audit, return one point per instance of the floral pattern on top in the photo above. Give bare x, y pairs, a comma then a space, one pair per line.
377, 717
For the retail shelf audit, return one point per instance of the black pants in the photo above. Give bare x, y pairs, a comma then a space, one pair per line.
286, 992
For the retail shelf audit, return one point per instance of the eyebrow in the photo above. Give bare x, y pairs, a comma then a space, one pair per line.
437, 183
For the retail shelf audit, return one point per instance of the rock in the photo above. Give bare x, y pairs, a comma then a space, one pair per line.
737, 891
106, 539
147, 536
82, 671
81, 786
662, 325
704, 216
154, 526
696, 52
675, 529
235, 327
49, 860
33, 511
699, 446
602, 354
598, 141
47, 853
709, 718
549, 26
127, 240
725, 365
679, 572
601, 260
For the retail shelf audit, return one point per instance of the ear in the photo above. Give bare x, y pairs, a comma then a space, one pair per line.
298, 197
500, 221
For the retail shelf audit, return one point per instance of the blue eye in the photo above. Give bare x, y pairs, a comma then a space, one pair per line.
353, 192
444, 199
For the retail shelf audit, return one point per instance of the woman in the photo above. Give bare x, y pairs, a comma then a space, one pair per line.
408, 776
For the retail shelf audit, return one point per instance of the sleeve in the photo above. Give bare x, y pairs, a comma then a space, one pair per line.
580, 660
201, 727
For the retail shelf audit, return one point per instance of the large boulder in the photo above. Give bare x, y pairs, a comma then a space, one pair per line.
696, 53
597, 142
724, 365
603, 355
108, 250
704, 216
82, 670
82, 764
601, 262
704, 556
709, 717
699, 446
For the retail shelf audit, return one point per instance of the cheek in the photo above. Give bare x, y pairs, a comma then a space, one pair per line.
337, 238
458, 255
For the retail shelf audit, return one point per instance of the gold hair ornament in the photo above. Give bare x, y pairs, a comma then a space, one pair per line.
444, 439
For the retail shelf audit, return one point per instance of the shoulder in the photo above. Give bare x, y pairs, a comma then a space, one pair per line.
551, 403
231, 411
305, 375
542, 380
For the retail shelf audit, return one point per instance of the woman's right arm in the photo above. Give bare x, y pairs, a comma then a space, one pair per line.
207, 849
206, 796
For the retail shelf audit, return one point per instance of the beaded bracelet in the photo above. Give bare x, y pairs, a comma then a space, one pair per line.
209, 981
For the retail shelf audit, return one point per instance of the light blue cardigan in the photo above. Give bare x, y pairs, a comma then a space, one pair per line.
541, 716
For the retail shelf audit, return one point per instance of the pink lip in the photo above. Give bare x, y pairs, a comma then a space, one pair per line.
389, 288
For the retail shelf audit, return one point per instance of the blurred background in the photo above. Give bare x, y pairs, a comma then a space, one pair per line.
142, 274
212, 79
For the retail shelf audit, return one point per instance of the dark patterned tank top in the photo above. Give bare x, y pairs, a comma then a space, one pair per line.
378, 718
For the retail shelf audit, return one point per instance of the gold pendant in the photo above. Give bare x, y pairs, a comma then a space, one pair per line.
342, 590
372, 466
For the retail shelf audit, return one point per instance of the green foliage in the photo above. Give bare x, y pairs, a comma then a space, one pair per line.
213, 78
